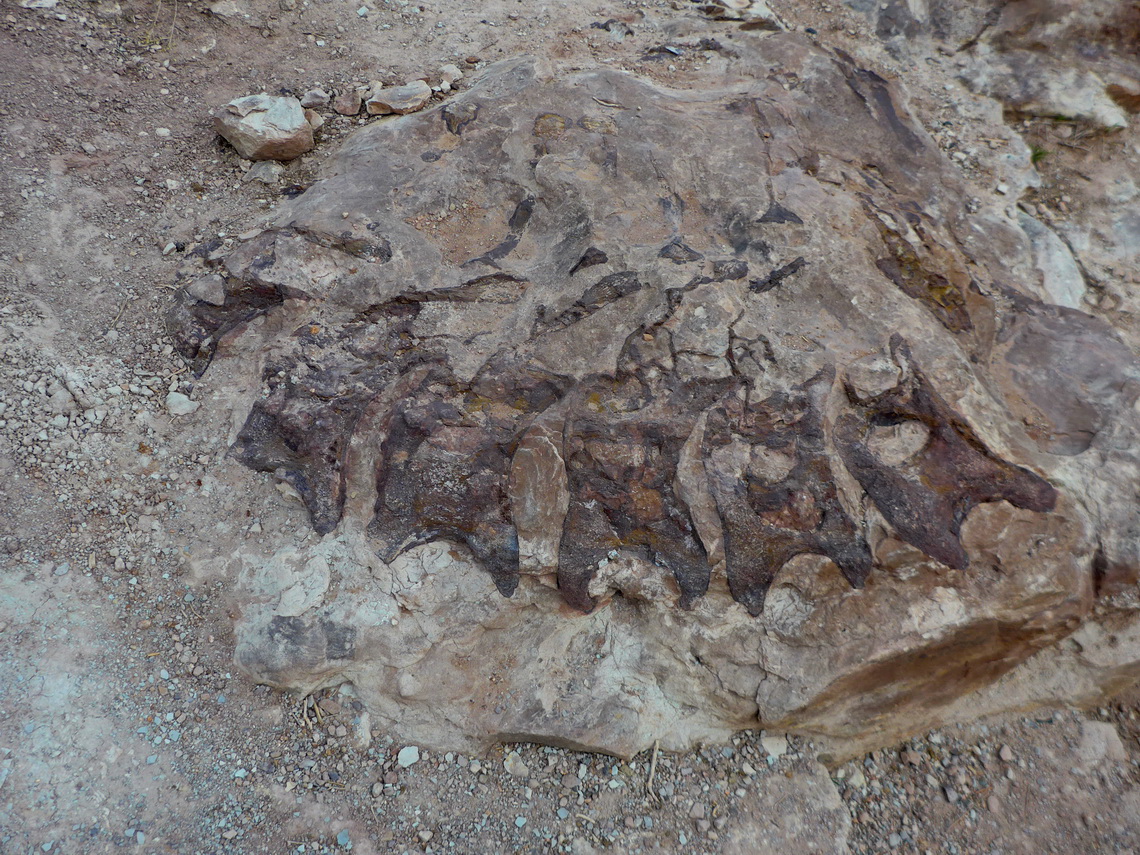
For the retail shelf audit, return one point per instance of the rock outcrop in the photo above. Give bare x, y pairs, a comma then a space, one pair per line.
632, 414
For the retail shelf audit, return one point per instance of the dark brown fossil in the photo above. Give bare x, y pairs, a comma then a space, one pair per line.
926, 498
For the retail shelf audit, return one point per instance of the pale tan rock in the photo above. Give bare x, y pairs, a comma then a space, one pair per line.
347, 103
398, 99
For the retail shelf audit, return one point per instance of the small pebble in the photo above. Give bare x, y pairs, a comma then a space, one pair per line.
408, 756
515, 766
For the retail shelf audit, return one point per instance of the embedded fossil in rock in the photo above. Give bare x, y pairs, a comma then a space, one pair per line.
927, 497
645, 358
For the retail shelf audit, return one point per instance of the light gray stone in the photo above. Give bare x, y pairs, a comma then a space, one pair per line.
265, 127
178, 404
315, 98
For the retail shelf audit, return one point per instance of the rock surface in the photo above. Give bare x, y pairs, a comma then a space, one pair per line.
632, 414
265, 127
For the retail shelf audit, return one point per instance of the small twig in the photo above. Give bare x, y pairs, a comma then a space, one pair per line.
122, 309
173, 21
610, 104
583, 816
652, 769
1073, 145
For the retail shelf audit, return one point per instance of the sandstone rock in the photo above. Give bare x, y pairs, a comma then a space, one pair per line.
398, 99
449, 73
712, 412
1061, 278
210, 288
265, 127
315, 98
347, 103
315, 119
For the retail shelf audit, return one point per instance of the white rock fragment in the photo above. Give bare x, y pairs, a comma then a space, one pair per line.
265, 127
398, 99
408, 756
178, 404
775, 746
515, 766
752, 14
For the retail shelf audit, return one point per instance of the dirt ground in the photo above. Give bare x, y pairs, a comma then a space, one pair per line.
124, 724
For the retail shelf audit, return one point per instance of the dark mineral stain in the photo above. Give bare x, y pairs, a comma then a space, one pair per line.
927, 497
744, 236
493, 288
589, 258
875, 93
304, 640
603, 292
340, 640
521, 215
516, 225
196, 326
549, 126
918, 275
729, 270
777, 213
777, 276
679, 253
446, 459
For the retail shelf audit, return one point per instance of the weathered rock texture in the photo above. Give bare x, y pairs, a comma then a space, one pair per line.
265, 127
631, 414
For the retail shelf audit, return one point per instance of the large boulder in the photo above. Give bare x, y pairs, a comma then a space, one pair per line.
632, 414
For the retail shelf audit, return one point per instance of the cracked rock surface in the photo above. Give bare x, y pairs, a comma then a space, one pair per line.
633, 414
